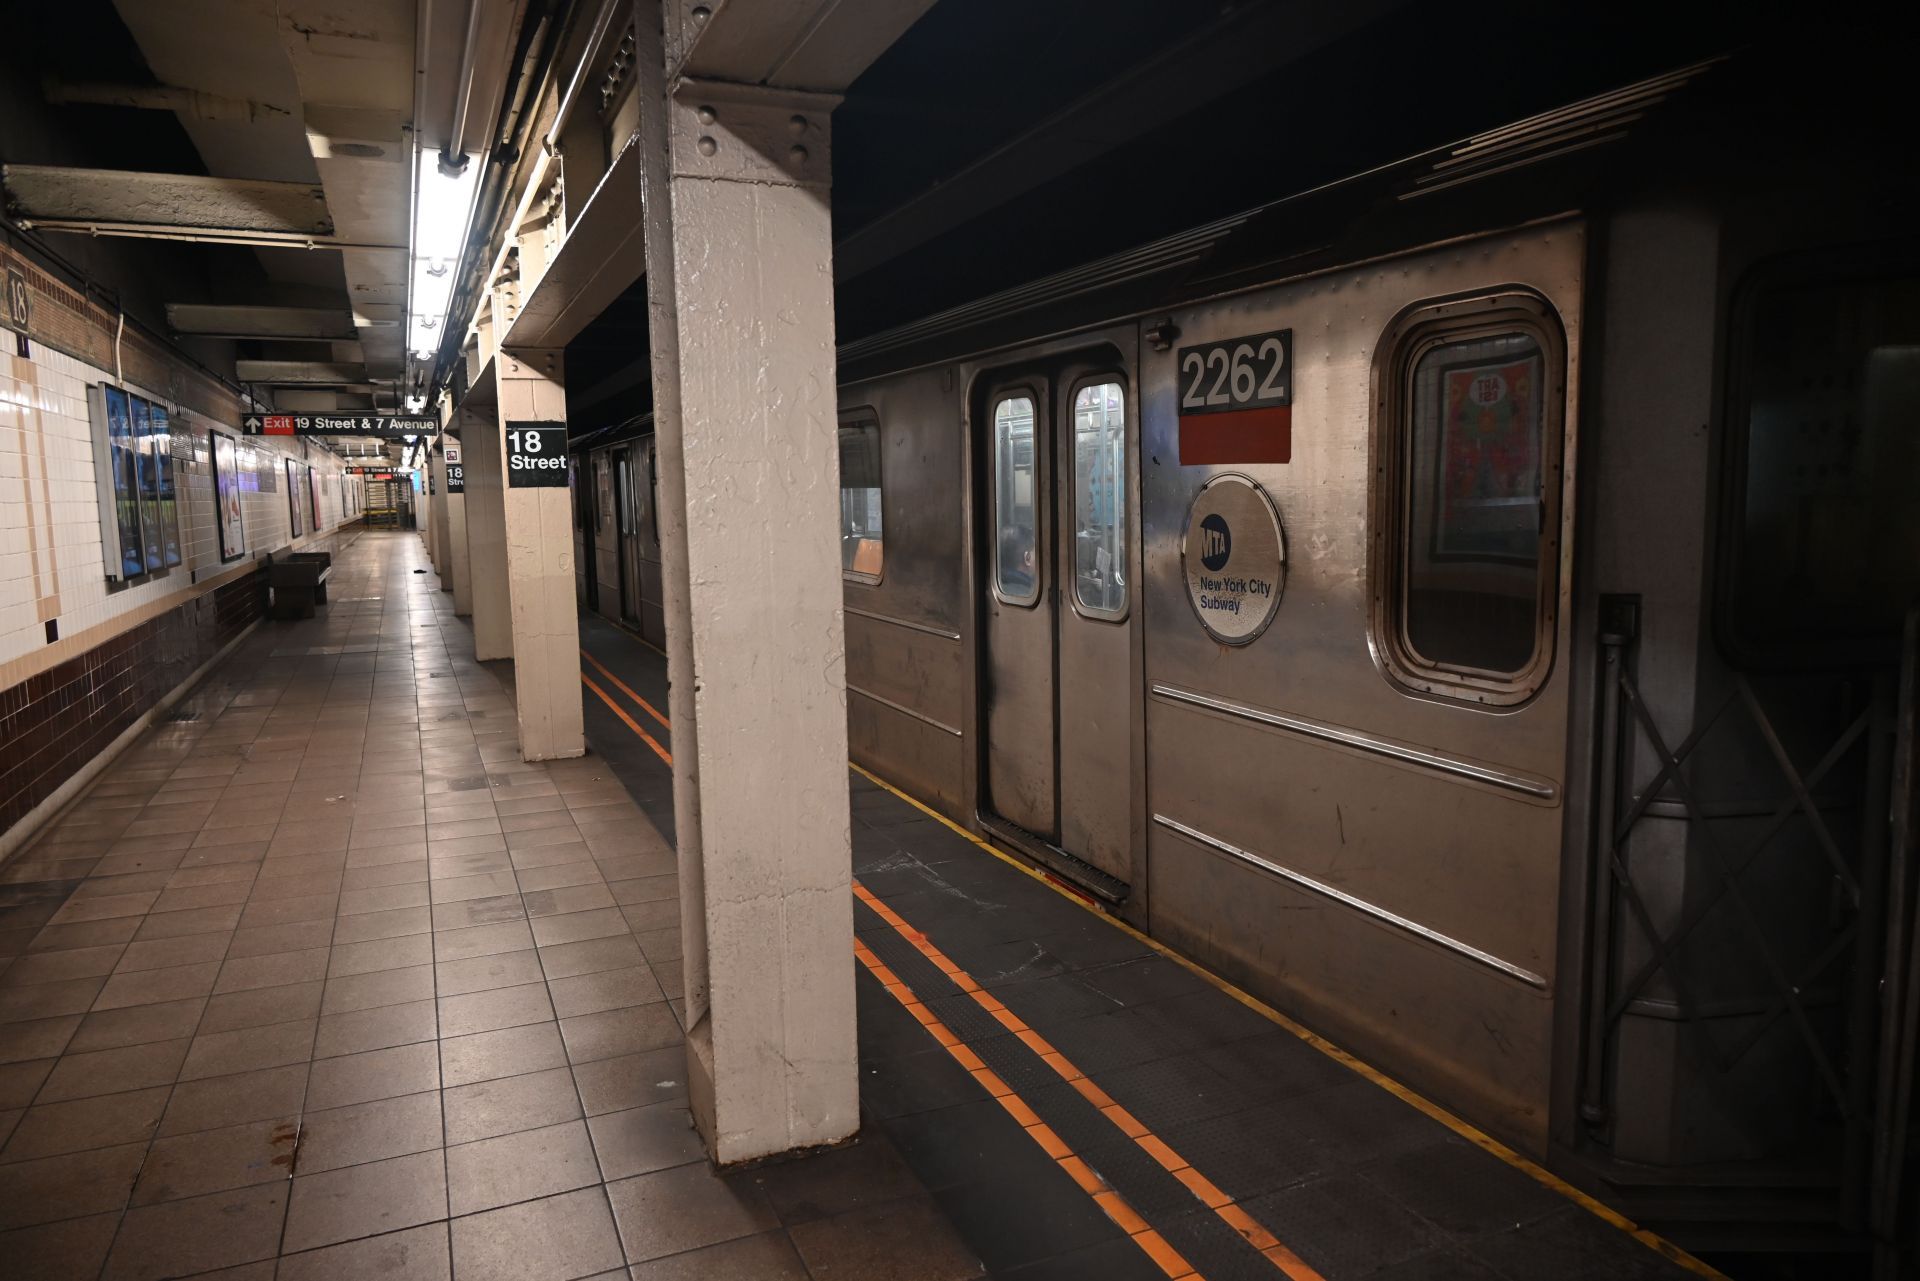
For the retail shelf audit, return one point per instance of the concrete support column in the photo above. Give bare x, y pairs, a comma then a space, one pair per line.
486, 520
740, 299
453, 472
428, 499
539, 537
440, 553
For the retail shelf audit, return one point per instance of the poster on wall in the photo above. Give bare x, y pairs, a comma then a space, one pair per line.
313, 500
126, 481
226, 493
1489, 473
294, 501
147, 468
169, 504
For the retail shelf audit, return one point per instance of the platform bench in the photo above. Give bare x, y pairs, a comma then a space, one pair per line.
299, 583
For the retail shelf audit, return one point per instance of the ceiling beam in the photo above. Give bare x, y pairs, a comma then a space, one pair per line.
301, 373
44, 194
304, 324
188, 102
795, 44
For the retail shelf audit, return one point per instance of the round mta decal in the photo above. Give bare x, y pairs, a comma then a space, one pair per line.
1235, 557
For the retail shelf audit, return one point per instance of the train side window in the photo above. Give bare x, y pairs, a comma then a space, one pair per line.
1100, 499
1465, 564
1016, 543
1822, 519
861, 539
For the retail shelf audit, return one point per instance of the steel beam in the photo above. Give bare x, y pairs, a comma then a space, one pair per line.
55, 197
208, 320
301, 373
796, 44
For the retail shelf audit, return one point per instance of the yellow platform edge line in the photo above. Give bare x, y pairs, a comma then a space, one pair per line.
1479, 1138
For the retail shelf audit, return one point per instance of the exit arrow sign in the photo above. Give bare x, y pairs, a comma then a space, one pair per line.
392, 425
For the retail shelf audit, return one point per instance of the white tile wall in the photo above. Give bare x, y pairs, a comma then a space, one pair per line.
43, 414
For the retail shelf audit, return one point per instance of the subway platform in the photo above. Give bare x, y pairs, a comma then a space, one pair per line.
319, 980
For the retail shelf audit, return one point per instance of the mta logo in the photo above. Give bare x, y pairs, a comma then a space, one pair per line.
1216, 542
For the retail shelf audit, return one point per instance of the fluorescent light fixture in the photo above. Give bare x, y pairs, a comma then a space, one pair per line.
442, 205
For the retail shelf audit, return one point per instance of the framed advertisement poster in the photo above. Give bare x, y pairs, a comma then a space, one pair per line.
226, 497
1489, 462
124, 453
163, 454
147, 469
313, 501
294, 501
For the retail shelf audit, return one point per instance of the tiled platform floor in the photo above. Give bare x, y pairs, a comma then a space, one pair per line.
325, 983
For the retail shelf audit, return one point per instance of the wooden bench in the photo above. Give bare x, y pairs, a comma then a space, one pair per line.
299, 583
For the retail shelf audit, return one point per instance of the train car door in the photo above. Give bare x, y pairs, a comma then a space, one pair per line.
1056, 607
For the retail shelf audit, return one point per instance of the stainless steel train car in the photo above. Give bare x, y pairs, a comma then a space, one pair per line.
1465, 606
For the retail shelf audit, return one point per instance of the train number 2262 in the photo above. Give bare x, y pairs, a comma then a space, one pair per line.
1254, 372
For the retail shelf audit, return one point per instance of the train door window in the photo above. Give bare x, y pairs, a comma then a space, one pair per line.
861, 542
1467, 512
1822, 525
623, 493
1016, 567
1100, 499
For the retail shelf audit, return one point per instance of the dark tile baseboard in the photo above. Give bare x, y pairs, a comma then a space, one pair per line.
53, 723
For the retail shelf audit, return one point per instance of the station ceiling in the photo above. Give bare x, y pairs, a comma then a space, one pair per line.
993, 142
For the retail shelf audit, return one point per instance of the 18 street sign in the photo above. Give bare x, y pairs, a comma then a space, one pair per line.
536, 455
337, 425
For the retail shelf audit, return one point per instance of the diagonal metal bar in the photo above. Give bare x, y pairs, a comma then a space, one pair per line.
1664, 955
1670, 762
1697, 912
1800, 792
1777, 1007
1751, 920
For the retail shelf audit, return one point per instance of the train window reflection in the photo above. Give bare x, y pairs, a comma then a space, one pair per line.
1475, 503
1100, 499
1016, 569
861, 540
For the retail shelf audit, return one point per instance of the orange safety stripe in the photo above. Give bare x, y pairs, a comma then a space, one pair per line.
1203, 1188
622, 686
619, 711
1124, 1216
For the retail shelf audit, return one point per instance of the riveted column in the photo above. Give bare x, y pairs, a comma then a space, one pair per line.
539, 535
454, 486
740, 296
486, 535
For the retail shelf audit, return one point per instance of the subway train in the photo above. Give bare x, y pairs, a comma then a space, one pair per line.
1468, 605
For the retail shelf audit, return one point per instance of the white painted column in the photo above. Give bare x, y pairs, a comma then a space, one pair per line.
740, 297
442, 561
456, 504
424, 511
486, 521
539, 536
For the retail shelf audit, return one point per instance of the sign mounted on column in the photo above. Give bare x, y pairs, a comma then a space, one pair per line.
536, 455
456, 473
